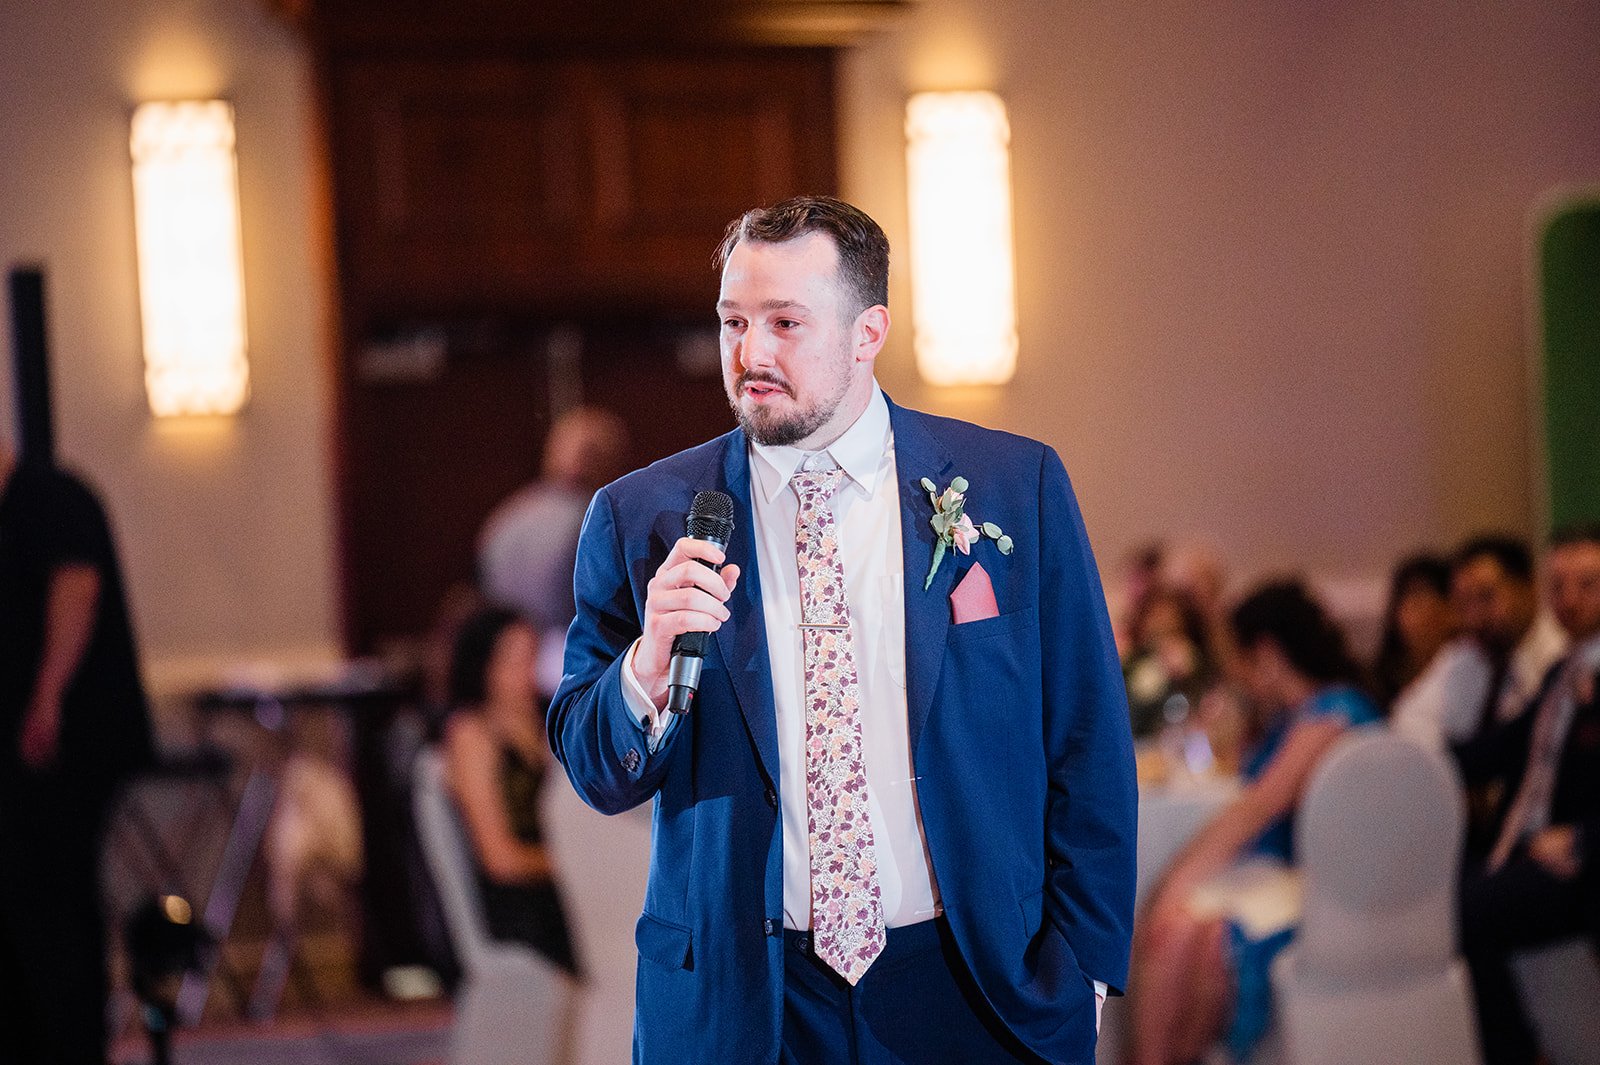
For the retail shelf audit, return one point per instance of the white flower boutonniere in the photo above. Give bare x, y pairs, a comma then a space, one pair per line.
952, 526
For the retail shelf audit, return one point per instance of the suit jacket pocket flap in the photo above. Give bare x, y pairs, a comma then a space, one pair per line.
1032, 913
663, 943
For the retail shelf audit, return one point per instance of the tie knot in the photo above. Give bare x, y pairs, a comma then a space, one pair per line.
816, 487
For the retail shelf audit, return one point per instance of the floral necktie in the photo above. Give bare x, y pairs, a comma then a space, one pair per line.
847, 928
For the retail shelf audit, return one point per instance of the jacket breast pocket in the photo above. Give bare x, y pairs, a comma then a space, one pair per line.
1018, 621
668, 945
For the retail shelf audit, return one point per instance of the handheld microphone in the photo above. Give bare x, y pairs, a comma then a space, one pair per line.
711, 520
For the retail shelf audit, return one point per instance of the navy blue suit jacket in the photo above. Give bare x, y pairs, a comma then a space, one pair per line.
1019, 734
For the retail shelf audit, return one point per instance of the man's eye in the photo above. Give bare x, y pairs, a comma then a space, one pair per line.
731, 323
787, 323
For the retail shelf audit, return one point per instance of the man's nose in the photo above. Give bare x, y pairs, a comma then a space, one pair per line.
756, 350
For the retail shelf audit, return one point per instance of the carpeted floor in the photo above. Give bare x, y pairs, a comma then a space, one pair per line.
389, 1035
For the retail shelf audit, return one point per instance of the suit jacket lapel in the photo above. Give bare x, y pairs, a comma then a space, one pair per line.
742, 640
919, 455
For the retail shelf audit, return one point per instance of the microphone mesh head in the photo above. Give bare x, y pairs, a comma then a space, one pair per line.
711, 516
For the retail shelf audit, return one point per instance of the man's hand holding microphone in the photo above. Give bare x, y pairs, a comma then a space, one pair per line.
686, 599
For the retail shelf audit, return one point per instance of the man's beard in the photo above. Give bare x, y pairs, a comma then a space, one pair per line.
772, 428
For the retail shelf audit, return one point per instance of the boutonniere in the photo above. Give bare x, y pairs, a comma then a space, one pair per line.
952, 527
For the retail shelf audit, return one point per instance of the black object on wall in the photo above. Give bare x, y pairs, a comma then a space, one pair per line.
32, 365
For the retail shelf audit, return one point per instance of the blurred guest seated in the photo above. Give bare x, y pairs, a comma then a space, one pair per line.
527, 547
496, 761
1227, 904
1418, 621
1169, 666
1539, 882
1196, 571
1489, 673
1139, 574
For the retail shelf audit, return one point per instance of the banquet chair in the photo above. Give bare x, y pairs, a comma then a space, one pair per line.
1373, 976
603, 863
513, 1007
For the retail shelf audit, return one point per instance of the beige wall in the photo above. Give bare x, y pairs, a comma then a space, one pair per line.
1271, 255
225, 525
1271, 267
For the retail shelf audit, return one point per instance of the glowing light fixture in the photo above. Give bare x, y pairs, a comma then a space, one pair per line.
191, 268
963, 299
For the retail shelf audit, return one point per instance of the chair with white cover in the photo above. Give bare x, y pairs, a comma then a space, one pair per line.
604, 862
1373, 976
514, 1007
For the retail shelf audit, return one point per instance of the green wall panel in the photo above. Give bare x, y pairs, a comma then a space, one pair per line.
1570, 283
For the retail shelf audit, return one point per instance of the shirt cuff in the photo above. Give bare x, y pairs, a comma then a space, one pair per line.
1099, 1001
655, 722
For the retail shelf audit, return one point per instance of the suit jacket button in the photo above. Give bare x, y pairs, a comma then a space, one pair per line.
771, 797
630, 761
769, 926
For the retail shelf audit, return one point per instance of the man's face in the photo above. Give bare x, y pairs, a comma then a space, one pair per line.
789, 364
1495, 608
1575, 588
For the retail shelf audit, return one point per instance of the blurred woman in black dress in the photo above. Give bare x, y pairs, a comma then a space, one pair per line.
497, 760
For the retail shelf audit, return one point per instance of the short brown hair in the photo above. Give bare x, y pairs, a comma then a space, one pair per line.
863, 249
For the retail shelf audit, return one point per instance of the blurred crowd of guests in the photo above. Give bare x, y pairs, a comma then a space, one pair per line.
1474, 659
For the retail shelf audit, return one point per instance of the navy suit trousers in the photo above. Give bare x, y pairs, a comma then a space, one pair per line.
916, 1005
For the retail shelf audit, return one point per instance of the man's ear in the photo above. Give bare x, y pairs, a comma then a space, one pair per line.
871, 331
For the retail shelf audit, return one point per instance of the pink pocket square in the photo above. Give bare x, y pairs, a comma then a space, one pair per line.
973, 599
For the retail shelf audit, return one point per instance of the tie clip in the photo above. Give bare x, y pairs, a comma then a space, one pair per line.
825, 628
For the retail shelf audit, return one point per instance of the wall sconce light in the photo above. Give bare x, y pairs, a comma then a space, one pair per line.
963, 278
191, 267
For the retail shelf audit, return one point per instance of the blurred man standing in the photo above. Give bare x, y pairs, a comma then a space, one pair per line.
1538, 882
529, 543
73, 725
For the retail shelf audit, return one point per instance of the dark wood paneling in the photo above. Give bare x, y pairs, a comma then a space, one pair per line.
462, 182
615, 25
566, 185
430, 459
485, 196
678, 154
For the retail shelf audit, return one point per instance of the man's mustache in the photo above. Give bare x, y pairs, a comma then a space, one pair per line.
747, 379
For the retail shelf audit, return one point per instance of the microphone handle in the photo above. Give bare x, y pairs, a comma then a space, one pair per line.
688, 657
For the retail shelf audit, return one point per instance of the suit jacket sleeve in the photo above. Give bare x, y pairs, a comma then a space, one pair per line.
593, 733
1092, 808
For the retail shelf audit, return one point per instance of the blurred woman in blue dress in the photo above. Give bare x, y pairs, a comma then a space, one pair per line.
1228, 904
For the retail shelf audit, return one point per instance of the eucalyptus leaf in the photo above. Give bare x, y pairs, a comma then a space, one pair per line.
959, 484
1004, 544
991, 530
929, 485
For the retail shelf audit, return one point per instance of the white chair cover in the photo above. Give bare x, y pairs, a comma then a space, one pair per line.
1373, 976
514, 1007
604, 862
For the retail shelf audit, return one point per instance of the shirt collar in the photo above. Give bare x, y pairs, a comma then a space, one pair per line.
859, 452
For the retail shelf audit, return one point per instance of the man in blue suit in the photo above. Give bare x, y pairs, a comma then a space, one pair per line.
897, 825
